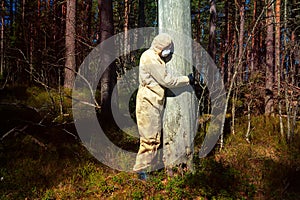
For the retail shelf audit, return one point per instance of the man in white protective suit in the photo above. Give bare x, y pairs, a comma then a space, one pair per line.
154, 79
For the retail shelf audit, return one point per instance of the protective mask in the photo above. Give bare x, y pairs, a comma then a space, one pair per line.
165, 53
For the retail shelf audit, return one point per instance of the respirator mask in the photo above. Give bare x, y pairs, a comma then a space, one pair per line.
167, 54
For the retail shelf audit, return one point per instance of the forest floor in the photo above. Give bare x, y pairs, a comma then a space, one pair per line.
39, 161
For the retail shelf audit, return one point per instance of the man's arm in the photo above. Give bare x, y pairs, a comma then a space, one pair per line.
159, 73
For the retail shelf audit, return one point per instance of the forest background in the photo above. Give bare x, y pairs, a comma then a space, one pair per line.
254, 43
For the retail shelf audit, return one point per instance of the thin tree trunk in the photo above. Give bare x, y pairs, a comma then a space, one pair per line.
23, 12
89, 18
226, 46
277, 63
234, 52
126, 22
241, 39
39, 9
70, 64
198, 26
234, 77
253, 62
141, 17
277, 42
12, 15
249, 121
141, 20
25, 33
2, 40
126, 28
231, 42
212, 50
293, 57
31, 49
288, 113
233, 109
296, 108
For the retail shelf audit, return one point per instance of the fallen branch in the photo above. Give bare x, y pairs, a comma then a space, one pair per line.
68, 132
19, 105
38, 142
15, 129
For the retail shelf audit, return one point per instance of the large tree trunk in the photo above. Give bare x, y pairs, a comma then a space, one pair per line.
269, 76
70, 65
109, 77
179, 127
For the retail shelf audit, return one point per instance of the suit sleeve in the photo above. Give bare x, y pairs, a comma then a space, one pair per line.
159, 72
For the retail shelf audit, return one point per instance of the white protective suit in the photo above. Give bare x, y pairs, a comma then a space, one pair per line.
153, 78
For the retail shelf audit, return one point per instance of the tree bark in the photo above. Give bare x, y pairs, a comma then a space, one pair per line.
2, 40
141, 20
198, 24
269, 76
141, 17
89, 18
253, 61
126, 38
241, 40
70, 64
277, 42
109, 77
178, 126
228, 45
277, 63
212, 50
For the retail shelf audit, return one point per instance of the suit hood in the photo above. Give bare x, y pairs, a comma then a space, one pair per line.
161, 42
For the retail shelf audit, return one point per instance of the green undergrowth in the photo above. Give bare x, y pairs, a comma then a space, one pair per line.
267, 161
67, 171
41, 103
38, 168
46, 163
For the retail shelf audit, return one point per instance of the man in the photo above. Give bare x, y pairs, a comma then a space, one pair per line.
154, 78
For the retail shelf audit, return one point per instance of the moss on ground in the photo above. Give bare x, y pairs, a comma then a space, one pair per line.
46, 163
